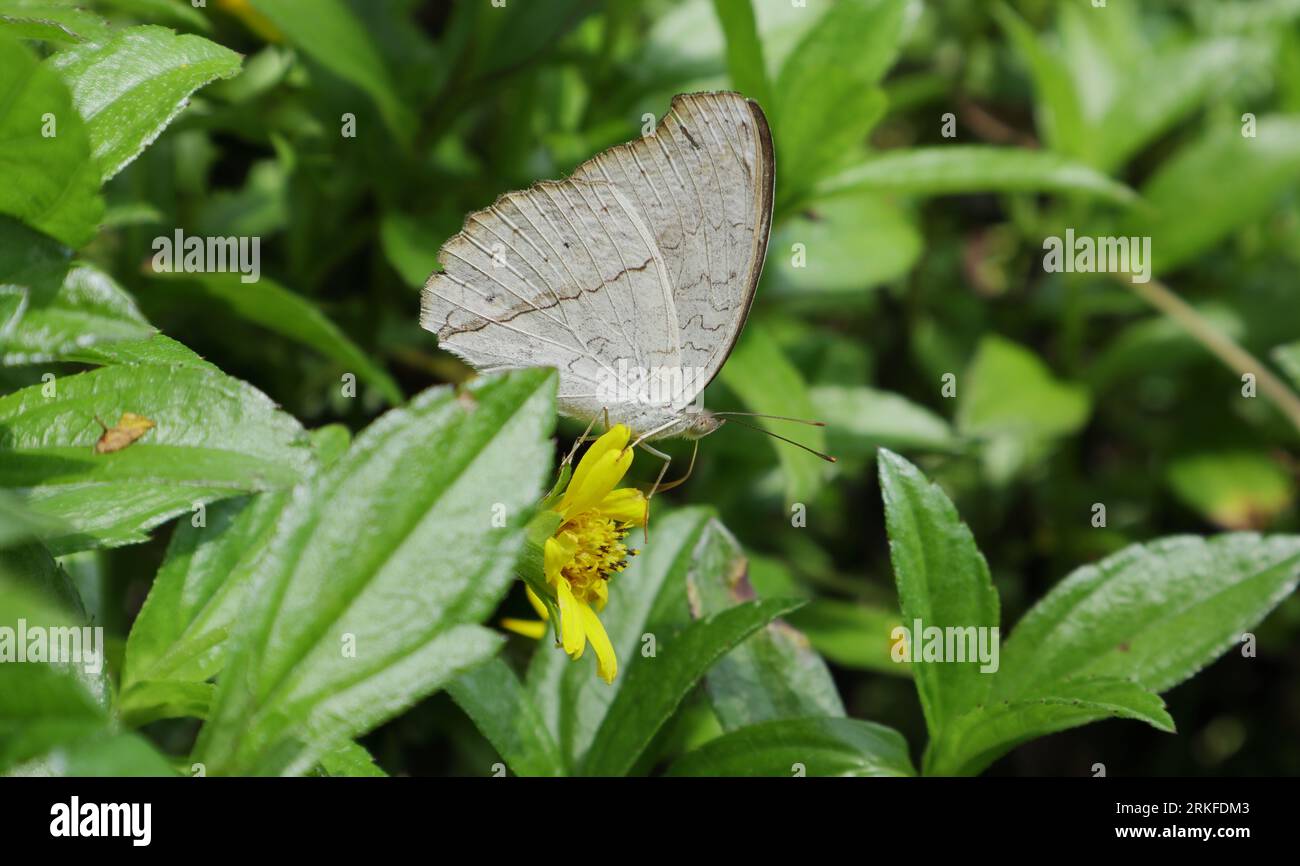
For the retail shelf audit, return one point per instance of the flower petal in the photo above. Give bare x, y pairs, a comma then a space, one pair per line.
626, 505
572, 633
558, 552
606, 661
532, 628
537, 604
602, 467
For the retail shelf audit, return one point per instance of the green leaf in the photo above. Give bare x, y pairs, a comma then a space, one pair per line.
767, 382
63, 308
352, 620
1288, 358
1058, 108
772, 675
330, 34
860, 420
129, 87
943, 582
215, 437
985, 734
49, 20
812, 747
158, 350
826, 96
106, 755
180, 12
656, 686
1235, 488
350, 760
845, 244
50, 181
1011, 400
494, 698
1213, 186
744, 50
1155, 613
966, 169
179, 637
851, 635
648, 598
271, 305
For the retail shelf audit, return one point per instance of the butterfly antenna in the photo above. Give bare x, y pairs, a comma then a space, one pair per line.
771, 417
828, 458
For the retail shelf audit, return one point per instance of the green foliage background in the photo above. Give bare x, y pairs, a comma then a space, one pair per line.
923, 261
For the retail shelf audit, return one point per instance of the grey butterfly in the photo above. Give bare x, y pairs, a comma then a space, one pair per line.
632, 277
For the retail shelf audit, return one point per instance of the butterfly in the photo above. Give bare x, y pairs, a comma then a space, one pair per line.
632, 277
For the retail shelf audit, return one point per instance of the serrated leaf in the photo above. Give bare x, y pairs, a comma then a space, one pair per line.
657, 685
405, 592
943, 581
215, 437
1155, 613
774, 674
494, 698
130, 86
350, 760
812, 747
967, 169
985, 734
50, 181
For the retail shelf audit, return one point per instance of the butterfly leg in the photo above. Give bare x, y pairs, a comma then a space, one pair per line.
667, 459
585, 437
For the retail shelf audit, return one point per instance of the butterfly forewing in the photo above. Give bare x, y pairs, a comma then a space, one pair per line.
643, 263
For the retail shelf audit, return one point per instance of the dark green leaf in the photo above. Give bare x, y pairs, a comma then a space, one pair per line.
495, 699
804, 747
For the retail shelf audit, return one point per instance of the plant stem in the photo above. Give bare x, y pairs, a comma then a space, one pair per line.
1158, 295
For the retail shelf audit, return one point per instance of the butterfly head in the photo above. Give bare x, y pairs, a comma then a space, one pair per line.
701, 424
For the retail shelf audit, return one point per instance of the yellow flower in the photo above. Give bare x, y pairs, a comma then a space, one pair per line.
588, 548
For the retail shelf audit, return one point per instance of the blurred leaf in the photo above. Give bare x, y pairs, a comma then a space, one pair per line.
50, 181
983, 735
106, 755
1010, 399
49, 20
404, 593
1236, 489
1156, 613
767, 382
271, 305
129, 87
774, 674
851, 635
827, 101
214, 437
654, 688
330, 34
813, 747
943, 581
1057, 107
860, 420
1214, 186
1288, 358
744, 51
838, 246
966, 169
494, 698
182, 12
409, 245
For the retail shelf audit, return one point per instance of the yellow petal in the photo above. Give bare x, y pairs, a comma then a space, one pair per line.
604, 456
571, 632
527, 627
606, 661
626, 505
537, 603
558, 552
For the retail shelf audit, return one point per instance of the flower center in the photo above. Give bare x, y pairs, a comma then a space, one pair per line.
601, 552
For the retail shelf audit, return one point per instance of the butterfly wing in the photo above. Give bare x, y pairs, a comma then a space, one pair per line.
645, 259
704, 183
